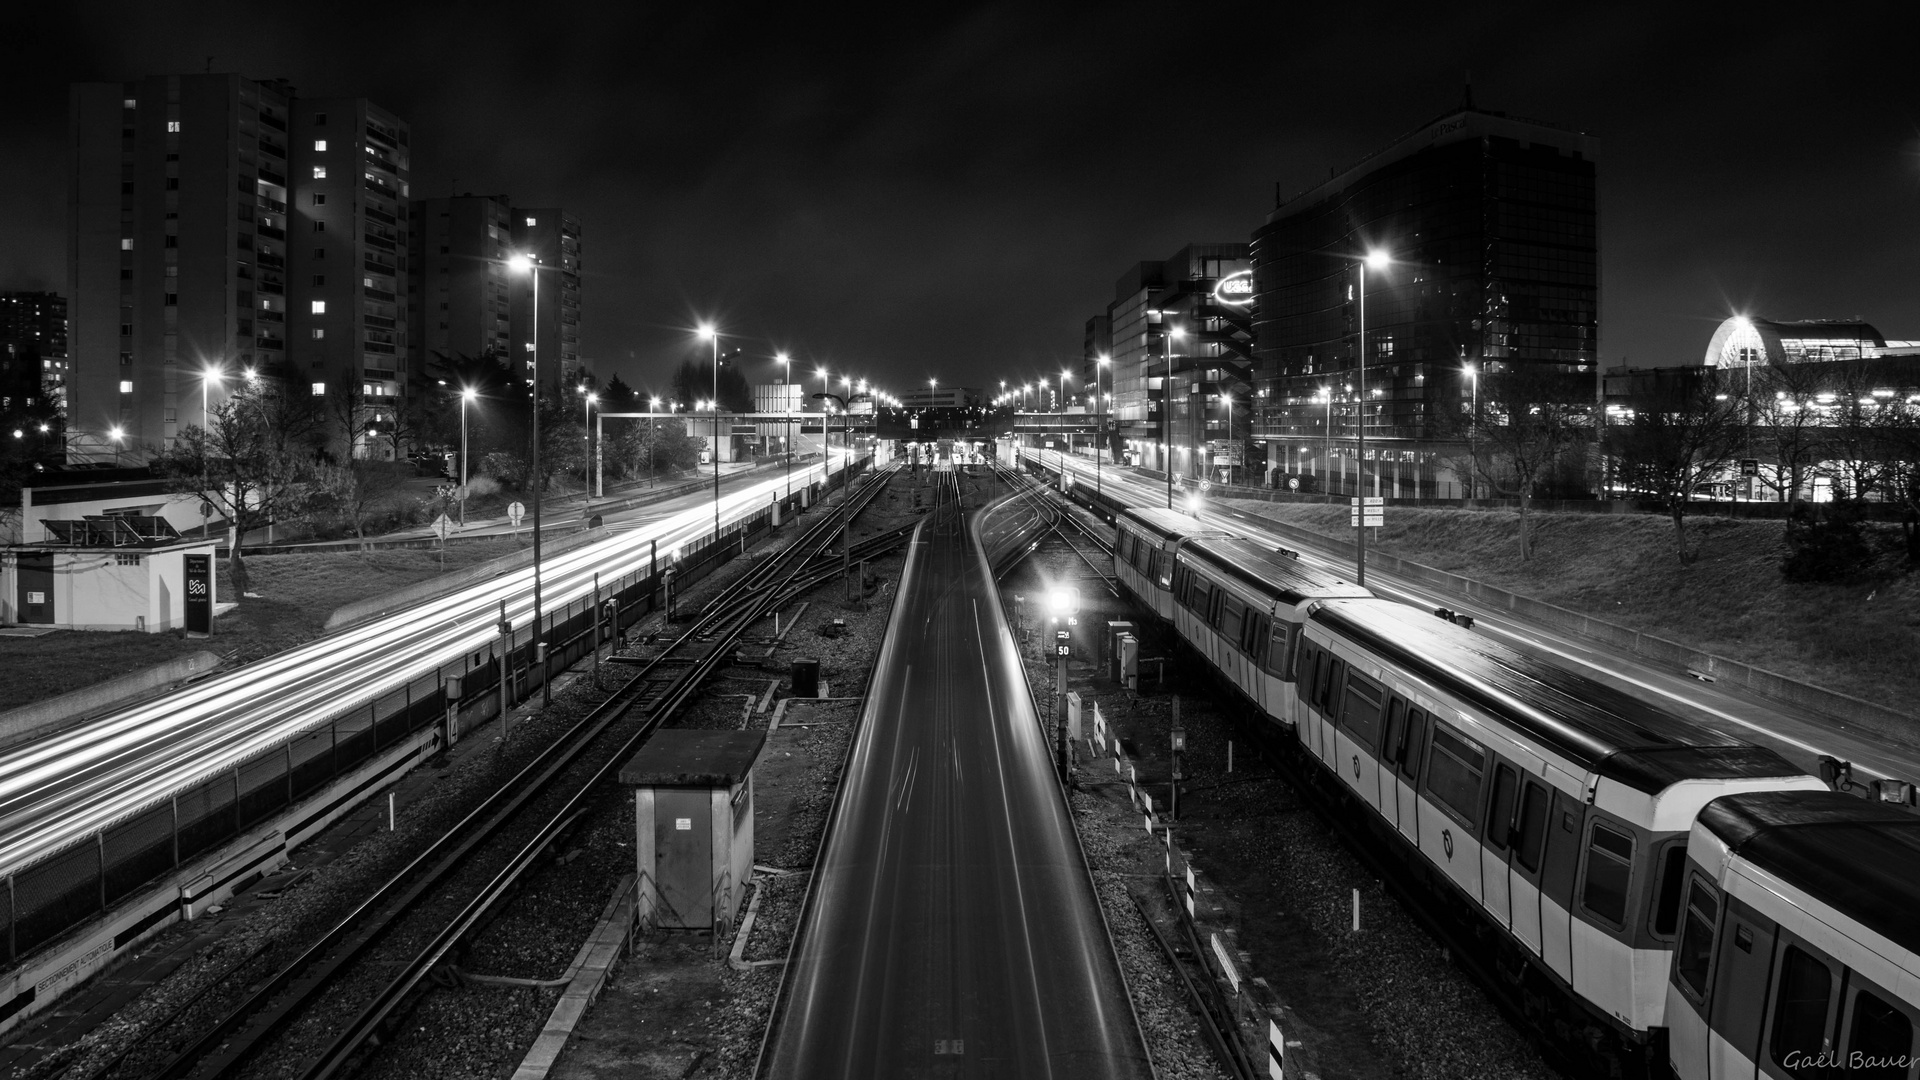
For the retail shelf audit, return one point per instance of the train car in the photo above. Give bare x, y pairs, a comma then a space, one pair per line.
1146, 541
1550, 806
1241, 604
1799, 948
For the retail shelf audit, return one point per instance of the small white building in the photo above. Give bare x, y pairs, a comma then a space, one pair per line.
104, 551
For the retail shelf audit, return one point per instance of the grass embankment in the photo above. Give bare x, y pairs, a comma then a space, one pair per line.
293, 595
1860, 639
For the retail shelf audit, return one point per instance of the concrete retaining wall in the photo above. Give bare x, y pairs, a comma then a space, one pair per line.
28, 721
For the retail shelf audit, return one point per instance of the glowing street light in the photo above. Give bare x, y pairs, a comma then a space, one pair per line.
709, 332
1174, 333
522, 263
1377, 261
466, 396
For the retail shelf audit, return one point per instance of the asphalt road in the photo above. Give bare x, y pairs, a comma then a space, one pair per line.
1799, 736
953, 930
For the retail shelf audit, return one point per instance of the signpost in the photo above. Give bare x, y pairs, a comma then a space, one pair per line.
515, 511
1375, 507
442, 525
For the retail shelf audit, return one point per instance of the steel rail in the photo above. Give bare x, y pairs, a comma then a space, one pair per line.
362, 927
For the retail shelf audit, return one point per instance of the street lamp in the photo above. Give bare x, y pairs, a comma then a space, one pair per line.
588, 400
1100, 422
1166, 410
826, 467
466, 396
708, 332
1473, 428
522, 263
653, 445
786, 405
1064, 436
208, 376
1377, 260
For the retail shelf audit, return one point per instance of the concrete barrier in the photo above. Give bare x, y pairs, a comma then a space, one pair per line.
29, 721
1866, 716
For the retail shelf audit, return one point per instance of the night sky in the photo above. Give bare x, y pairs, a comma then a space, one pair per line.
953, 194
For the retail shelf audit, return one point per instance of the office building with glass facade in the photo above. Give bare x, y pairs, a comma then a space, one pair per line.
1490, 225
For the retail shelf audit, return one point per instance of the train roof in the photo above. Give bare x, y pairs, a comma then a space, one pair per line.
1261, 567
1167, 524
1858, 856
1605, 729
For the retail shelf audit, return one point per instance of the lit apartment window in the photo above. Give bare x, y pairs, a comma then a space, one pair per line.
127, 103
319, 307
320, 145
319, 172
126, 386
530, 221
318, 333
126, 243
173, 126
319, 389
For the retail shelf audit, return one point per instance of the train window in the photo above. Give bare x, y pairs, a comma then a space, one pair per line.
1609, 870
1277, 649
1361, 715
1254, 635
1390, 739
1161, 561
1500, 807
1333, 671
1533, 826
1666, 894
1879, 1039
1231, 618
1801, 1002
1454, 772
1693, 955
1410, 744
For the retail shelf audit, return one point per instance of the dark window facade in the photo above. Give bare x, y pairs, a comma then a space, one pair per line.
1495, 260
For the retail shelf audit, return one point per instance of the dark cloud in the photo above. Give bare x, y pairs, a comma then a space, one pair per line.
951, 191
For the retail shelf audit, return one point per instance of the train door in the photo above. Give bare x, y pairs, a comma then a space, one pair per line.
1498, 833
1455, 775
1529, 836
1357, 735
1323, 700
1802, 1009
1406, 776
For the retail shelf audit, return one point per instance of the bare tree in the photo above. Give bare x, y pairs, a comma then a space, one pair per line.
357, 489
255, 461
1684, 431
1532, 416
1786, 420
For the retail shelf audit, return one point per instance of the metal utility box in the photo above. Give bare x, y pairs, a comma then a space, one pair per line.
806, 678
693, 826
1111, 643
1126, 662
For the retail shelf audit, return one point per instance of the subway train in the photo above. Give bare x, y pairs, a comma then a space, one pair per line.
1557, 816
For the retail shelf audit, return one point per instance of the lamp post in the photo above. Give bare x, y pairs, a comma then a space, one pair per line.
653, 445
711, 333
1065, 437
826, 461
1326, 457
1473, 427
466, 396
1166, 410
1100, 421
1377, 260
117, 434
588, 400
786, 405
530, 266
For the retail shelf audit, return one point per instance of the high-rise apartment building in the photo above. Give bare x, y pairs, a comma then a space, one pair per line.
551, 237
347, 254
461, 288
1489, 223
33, 349
200, 211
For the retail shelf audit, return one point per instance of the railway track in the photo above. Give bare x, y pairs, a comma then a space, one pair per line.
328, 1009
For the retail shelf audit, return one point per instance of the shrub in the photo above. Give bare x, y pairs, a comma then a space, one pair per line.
1831, 547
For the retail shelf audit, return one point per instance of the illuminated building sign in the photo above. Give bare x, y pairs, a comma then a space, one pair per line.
1235, 290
